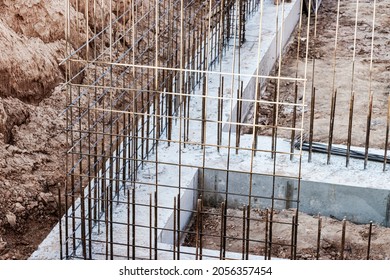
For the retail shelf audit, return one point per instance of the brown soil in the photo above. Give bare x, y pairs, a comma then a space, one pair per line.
322, 50
356, 236
32, 138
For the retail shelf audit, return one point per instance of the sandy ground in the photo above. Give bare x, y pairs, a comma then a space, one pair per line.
356, 236
32, 141
32, 138
322, 50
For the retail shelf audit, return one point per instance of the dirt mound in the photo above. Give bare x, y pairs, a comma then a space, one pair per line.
28, 67
32, 139
32, 40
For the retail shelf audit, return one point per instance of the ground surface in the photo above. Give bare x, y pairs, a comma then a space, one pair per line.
356, 236
322, 50
32, 102
32, 138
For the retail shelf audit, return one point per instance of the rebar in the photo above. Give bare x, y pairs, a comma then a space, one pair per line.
153, 83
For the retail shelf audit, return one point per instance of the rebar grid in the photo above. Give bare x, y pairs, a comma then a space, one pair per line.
152, 83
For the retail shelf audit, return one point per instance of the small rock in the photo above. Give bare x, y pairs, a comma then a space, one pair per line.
19, 208
3, 244
11, 219
19, 199
46, 198
32, 205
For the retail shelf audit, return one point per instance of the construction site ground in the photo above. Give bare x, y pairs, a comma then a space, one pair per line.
32, 137
335, 64
356, 236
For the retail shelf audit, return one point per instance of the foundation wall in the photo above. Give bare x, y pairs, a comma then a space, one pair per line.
357, 204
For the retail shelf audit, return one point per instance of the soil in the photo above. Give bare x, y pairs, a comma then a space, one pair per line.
322, 51
356, 236
32, 100
32, 138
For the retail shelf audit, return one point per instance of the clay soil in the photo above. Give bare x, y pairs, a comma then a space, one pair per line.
32, 102
32, 126
356, 236
322, 50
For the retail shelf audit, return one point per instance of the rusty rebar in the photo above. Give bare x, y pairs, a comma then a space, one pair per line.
387, 134
133, 236
312, 108
155, 226
243, 232
331, 124
369, 240
266, 241
292, 237
150, 226
319, 230
128, 224
342, 246
174, 228
248, 231
350, 123
222, 239
368, 130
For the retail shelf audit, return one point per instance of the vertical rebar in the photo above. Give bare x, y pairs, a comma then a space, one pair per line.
248, 221
266, 235
350, 123
155, 226
243, 232
387, 134
222, 239
369, 240
150, 226
60, 219
128, 224
292, 237
331, 124
174, 228
368, 130
334, 90
343, 239
319, 236
239, 115
294, 119
312, 108
133, 222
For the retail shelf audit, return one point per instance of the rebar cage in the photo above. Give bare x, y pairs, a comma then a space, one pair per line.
157, 97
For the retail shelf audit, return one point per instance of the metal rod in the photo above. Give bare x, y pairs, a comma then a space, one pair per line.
222, 239
248, 221
368, 130
150, 226
369, 241
266, 235
319, 237
350, 123
343, 239
331, 124
387, 134
292, 237
174, 228
155, 226
312, 107
243, 233
133, 204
